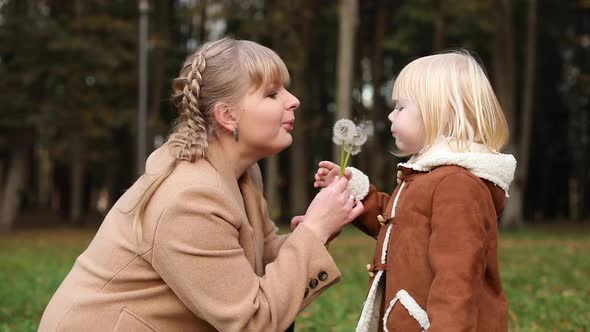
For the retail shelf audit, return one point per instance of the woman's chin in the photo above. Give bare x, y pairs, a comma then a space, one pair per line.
286, 143
277, 147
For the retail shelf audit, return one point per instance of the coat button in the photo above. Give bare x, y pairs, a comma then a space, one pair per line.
313, 283
306, 292
371, 273
323, 275
381, 220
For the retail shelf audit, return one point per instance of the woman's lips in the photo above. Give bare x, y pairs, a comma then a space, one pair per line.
289, 125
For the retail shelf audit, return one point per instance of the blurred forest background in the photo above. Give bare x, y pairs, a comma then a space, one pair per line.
72, 139
69, 86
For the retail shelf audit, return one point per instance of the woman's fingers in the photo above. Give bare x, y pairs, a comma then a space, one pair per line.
347, 194
339, 184
357, 210
348, 174
350, 201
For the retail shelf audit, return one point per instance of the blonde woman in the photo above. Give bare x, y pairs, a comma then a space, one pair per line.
189, 247
436, 262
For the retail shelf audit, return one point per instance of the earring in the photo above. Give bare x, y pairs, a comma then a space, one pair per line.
236, 134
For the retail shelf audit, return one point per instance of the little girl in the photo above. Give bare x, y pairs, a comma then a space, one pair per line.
436, 261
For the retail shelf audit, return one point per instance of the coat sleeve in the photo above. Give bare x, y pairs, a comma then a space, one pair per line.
197, 253
375, 203
272, 241
457, 253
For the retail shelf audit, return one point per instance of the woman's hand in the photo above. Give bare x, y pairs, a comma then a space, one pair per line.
326, 174
331, 210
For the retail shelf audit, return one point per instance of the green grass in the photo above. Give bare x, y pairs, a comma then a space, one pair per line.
546, 274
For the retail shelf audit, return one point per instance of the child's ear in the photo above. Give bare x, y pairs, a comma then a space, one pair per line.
225, 117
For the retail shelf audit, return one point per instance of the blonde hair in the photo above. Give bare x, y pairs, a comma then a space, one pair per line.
455, 99
219, 71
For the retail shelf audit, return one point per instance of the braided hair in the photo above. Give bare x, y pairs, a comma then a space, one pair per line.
219, 71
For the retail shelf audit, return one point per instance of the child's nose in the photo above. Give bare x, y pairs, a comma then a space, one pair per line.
391, 116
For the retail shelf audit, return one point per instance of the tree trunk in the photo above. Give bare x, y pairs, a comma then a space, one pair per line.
376, 172
163, 44
203, 22
77, 180
45, 177
1, 181
15, 182
299, 178
271, 187
110, 185
439, 27
346, 44
528, 94
503, 62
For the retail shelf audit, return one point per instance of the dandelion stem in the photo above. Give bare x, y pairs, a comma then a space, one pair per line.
342, 166
346, 162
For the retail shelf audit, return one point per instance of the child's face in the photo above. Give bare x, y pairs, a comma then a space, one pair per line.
406, 126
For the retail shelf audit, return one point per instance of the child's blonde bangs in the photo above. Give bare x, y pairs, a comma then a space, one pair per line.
405, 87
262, 65
412, 84
456, 100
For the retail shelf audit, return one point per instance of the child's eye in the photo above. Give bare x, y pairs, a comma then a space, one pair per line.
272, 95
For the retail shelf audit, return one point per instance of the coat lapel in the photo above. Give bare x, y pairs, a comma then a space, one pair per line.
245, 195
255, 218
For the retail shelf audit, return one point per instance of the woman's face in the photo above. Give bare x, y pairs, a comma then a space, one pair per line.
407, 127
267, 119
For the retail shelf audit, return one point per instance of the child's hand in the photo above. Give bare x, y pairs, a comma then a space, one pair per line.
326, 173
296, 221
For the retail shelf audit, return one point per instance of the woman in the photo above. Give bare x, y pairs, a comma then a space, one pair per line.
189, 246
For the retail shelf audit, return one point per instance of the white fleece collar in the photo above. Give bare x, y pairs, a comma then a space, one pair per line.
497, 168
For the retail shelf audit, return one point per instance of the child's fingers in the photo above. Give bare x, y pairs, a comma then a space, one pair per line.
296, 221
327, 165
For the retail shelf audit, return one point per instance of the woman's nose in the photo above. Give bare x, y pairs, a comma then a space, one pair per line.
292, 102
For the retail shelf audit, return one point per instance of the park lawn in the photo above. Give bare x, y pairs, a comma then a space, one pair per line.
545, 270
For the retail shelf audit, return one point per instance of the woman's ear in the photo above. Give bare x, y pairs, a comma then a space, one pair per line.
225, 117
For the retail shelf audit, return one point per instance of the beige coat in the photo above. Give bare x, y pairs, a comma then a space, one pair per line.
209, 260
